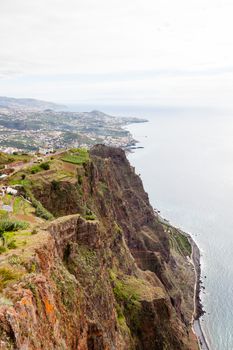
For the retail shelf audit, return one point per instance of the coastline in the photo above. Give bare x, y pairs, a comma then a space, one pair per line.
198, 310
198, 307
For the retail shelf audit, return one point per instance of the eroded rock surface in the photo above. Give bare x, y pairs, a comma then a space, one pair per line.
111, 276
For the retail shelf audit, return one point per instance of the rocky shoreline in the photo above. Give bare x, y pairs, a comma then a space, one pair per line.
198, 307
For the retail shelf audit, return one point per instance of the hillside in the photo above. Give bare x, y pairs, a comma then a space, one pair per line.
25, 129
28, 103
87, 265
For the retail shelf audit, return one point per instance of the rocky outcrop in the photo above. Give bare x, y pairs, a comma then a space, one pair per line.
111, 276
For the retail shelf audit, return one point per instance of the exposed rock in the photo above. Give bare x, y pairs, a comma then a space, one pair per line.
109, 277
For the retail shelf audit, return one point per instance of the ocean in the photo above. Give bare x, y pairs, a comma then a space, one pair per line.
186, 166
187, 169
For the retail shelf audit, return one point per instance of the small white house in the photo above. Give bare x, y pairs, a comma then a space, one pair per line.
12, 191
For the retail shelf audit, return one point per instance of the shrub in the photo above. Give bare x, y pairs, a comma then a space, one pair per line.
2, 249
55, 185
45, 166
3, 214
90, 217
128, 301
12, 244
125, 294
12, 225
80, 179
40, 210
118, 229
37, 168
7, 275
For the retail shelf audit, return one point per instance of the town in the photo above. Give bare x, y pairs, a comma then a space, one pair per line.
29, 130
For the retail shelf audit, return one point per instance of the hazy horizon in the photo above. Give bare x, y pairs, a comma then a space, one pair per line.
112, 52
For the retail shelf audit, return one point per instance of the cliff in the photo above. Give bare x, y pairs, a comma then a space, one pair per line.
105, 273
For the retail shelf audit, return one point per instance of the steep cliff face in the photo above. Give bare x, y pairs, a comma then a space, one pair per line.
111, 276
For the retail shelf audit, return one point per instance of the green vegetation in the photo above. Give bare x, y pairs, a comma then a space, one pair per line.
102, 188
85, 260
66, 285
180, 242
17, 205
77, 156
40, 210
20, 206
120, 317
89, 215
128, 301
118, 229
19, 181
45, 166
16, 157
7, 232
7, 199
15, 260
8, 274
40, 167
124, 293
3, 214
35, 169
80, 179
12, 225
55, 185
12, 244
183, 243
2, 249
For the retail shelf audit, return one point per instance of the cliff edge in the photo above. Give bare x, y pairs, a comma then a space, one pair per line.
95, 268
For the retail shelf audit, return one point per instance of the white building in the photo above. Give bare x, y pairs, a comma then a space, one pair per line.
12, 191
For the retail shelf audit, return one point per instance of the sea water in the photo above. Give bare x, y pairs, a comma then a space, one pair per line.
187, 168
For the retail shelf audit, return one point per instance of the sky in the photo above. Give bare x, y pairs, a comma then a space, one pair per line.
154, 52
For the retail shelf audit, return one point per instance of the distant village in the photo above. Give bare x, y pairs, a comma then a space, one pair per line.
9, 169
40, 133
30, 131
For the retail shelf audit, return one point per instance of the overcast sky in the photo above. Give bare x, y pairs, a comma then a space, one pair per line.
118, 51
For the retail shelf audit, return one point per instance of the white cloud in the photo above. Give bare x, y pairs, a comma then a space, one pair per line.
56, 37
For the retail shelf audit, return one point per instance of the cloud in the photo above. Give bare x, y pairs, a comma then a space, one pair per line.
89, 43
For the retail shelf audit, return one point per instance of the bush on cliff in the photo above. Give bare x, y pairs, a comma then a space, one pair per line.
128, 301
37, 168
12, 225
7, 275
40, 211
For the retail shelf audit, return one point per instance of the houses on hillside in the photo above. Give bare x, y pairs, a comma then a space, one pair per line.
7, 190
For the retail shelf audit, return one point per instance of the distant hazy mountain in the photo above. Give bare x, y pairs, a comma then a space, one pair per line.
28, 103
